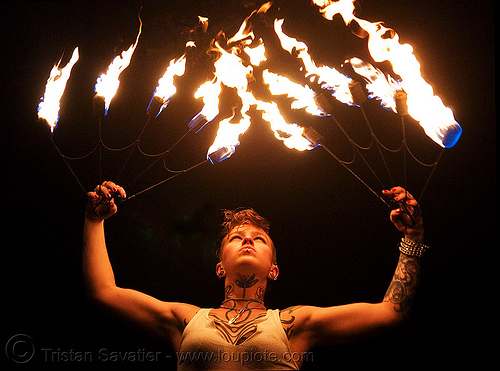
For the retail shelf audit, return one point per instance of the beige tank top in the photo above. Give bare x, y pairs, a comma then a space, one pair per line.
209, 343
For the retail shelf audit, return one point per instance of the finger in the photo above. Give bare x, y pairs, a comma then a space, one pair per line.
396, 217
412, 202
394, 192
397, 190
115, 189
408, 219
93, 196
395, 214
112, 207
110, 185
104, 190
409, 196
399, 193
417, 212
403, 194
121, 192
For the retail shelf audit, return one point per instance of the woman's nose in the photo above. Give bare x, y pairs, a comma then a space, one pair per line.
247, 240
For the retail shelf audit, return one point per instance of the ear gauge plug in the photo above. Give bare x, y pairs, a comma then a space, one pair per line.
221, 273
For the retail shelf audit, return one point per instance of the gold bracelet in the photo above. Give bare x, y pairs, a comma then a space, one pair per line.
412, 248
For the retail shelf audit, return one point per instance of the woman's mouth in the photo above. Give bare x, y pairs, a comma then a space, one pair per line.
247, 248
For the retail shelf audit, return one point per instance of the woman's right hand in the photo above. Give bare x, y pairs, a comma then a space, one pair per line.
100, 202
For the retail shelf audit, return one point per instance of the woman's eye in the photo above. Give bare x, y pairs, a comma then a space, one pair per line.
235, 237
260, 238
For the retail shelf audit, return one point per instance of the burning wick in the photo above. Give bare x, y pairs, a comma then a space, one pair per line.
166, 88
48, 109
410, 96
107, 84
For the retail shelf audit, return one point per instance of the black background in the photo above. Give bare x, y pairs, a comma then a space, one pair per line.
335, 242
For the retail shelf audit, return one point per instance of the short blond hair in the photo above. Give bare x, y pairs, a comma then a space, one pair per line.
238, 217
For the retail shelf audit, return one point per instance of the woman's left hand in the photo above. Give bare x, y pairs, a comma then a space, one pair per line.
407, 217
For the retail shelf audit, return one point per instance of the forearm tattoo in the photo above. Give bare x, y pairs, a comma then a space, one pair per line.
401, 291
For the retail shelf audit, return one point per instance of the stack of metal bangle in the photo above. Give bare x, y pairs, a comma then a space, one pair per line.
412, 248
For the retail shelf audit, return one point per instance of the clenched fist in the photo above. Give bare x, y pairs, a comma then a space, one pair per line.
101, 202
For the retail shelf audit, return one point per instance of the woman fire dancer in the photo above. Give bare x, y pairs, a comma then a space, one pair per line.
242, 333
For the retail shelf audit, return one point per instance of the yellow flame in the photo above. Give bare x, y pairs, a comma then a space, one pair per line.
257, 54
209, 92
48, 109
166, 88
290, 134
383, 43
303, 96
107, 84
329, 77
246, 31
378, 84
343, 7
228, 136
204, 23
230, 71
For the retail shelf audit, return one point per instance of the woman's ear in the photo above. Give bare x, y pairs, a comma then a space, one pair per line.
274, 272
219, 270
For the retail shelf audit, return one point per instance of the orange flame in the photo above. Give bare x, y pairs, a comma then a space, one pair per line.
227, 138
246, 31
303, 96
107, 84
436, 119
230, 71
48, 109
257, 54
204, 23
378, 84
209, 92
166, 88
290, 134
329, 77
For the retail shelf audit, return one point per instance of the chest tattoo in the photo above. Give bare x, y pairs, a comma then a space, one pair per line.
236, 332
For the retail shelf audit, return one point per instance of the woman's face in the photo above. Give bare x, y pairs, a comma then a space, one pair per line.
248, 245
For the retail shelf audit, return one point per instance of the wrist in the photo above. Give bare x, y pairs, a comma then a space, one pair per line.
93, 219
415, 238
411, 247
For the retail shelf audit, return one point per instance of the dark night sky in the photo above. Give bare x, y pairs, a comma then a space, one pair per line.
335, 242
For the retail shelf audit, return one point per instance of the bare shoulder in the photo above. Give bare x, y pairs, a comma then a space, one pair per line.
175, 318
295, 322
293, 318
182, 312
297, 312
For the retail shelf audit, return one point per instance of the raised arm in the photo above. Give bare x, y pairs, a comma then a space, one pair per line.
163, 319
311, 326
408, 220
97, 271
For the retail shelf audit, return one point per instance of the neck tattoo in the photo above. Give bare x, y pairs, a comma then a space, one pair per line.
241, 311
245, 281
